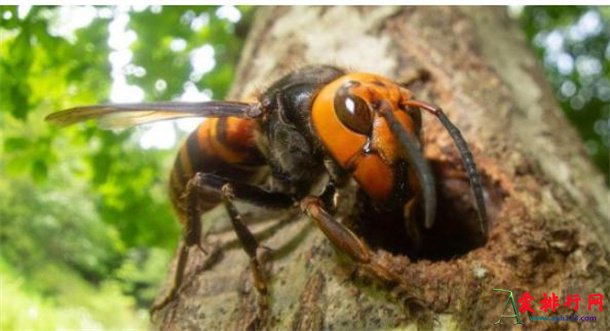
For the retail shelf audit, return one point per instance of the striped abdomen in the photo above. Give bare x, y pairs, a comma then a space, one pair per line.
222, 146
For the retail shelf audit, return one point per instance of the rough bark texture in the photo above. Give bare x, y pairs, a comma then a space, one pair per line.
549, 223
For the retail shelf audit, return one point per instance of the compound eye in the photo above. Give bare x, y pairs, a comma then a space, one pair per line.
353, 112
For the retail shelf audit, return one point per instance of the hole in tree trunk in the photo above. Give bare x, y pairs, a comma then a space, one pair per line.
456, 229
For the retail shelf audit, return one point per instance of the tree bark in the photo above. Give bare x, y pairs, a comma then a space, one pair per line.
548, 207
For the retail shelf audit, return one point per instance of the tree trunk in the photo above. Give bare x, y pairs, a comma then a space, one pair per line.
549, 223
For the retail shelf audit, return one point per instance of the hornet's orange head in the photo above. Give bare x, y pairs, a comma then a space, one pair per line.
347, 117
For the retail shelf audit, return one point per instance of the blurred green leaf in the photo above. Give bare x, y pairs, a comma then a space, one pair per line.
573, 43
83, 209
13, 144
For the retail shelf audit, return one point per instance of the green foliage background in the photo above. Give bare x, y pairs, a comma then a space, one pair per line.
86, 229
576, 56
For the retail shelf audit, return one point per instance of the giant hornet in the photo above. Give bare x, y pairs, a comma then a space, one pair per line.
316, 123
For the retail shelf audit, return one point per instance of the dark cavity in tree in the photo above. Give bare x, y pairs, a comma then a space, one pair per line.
456, 230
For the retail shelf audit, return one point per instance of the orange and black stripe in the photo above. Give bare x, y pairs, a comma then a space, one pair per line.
221, 146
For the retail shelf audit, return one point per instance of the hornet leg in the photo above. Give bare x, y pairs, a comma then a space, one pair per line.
344, 239
191, 237
227, 192
252, 248
337, 233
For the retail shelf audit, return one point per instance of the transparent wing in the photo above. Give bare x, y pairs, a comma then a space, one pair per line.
112, 116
